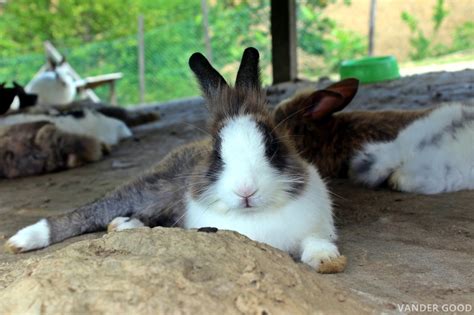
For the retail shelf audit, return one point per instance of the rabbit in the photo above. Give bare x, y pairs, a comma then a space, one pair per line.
329, 138
246, 177
433, 154
82, 122
39, 147
131, 118
56, 86
26, 99
7, 95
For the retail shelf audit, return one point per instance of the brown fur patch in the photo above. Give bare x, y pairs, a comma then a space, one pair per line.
335, 265
39, 147
330, 143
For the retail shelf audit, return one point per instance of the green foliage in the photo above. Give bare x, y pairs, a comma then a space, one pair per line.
464, 37
423, 46
439, 15
342, 45
25, 24
320, 36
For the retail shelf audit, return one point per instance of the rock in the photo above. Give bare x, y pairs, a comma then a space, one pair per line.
170, 271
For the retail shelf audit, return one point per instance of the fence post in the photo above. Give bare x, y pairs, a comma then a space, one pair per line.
205, 24
141, 58
373, 8
283, 29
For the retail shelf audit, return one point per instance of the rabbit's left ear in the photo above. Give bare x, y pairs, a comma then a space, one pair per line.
248, 76
334, 98
209, 78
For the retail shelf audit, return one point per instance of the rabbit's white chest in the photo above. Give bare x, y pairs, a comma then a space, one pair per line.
283, 228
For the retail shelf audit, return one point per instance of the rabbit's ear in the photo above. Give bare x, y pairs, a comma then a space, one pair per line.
209, 79
18, 87
248, 76
323, 103
347, 88
2, 85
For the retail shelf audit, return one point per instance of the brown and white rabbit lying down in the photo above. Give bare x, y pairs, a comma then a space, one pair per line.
33, 144
40, 147
246, 177
424, 151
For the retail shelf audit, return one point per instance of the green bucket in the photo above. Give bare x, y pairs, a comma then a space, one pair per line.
370, 69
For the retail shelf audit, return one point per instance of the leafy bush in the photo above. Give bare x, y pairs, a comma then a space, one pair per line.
423, 46
464, 37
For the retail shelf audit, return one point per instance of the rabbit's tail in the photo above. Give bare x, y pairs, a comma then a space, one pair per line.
374, 164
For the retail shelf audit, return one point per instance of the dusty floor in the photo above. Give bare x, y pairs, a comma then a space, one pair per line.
402, 248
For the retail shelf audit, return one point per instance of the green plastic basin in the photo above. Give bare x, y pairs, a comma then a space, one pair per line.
370, 69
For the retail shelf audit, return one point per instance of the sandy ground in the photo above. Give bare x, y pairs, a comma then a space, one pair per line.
402, 248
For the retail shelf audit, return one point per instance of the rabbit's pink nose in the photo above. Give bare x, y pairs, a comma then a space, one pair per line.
246, 192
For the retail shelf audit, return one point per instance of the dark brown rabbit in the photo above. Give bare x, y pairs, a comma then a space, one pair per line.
328, 138
39, 147
6, 98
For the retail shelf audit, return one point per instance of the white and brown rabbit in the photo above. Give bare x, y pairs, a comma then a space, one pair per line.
246, 177
85, 122
40, 147
434, 154
329, 138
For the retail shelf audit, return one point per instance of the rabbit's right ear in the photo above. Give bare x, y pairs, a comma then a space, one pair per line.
323, 103
209, 79
18, 87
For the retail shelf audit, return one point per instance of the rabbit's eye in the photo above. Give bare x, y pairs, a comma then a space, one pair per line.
216, 161
274, 148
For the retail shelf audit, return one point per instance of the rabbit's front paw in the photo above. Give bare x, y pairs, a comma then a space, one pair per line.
31, 237
323, 256
123, 223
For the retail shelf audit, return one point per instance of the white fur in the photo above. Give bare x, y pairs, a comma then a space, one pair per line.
107, 130
246, 167
31, 237
124, 223
316, 249
53, 87
410, 165
274, 218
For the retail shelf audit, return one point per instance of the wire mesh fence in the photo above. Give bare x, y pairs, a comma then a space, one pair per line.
167, 49
322, 45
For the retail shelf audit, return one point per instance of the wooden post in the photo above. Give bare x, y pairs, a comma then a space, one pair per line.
141, 58
205, 25
373, 8
283, 29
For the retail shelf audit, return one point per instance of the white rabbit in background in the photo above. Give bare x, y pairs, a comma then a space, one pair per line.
81, 122
56, 86
433, 154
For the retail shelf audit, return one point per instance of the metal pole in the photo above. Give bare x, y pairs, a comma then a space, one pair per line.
373, 8
205, 24
141, 58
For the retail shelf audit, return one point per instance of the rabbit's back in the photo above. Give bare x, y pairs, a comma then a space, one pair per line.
84, 122
39, 147
433, 154
53, 88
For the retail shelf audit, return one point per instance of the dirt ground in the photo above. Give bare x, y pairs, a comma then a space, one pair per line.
402, 248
